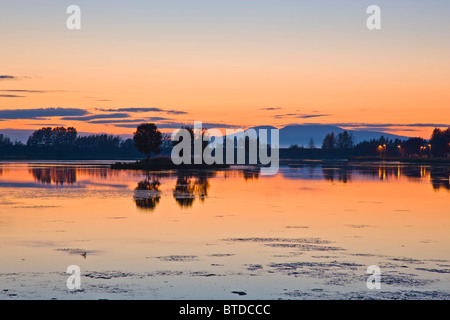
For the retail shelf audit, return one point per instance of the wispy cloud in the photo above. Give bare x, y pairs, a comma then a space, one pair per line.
387, 125
177, 125
35, 91
271, 108
46, 124
144, 109
24, 91
7, 77
175, 112
97, 99
40, 113
10, 96
300, 115
307, 116
97, 116
384, 129
135, 121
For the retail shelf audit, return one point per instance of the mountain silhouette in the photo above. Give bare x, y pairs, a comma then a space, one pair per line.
302, 134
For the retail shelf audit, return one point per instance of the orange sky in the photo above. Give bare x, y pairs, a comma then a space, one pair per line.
224, 72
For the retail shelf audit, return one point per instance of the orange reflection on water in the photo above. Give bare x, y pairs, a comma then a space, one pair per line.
121, 217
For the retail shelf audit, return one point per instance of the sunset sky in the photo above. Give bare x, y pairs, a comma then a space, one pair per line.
236, 63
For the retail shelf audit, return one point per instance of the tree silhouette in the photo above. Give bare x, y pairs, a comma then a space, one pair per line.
58, 138
329, 143
295, 147
412, 145
440, 141
4, 141
184, 191
55, 175
312, 145
102, 143
440, 178
251, 174
341, 173
187, 189
345, 141
148, 139
147, 194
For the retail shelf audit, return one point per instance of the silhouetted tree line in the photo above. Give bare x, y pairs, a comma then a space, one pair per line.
440, 142
343, 145
344, 141
437, 146
6, 145
61, 143
55, 175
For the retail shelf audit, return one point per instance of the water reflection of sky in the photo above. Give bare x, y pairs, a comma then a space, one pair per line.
234, 229
69, 175
192, 186
438, 176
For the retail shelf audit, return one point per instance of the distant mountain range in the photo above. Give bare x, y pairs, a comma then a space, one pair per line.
302, 134
289, 135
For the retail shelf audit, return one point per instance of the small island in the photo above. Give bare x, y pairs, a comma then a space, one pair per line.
160, 163
148, 140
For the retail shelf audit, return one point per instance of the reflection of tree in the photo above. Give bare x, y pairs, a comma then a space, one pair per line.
251, 174
97, 172
147, 194
440, 178
55, 175
343, 174
382, 172
188, 188
414, 172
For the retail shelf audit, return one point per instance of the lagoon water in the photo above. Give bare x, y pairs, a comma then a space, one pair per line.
309, 232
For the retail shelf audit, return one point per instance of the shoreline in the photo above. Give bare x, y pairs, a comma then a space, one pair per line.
163, 163
401, 160
139, 164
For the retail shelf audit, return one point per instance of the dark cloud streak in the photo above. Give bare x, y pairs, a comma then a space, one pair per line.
177, 125
270, 109
10, 96
144, 109
24, 91
39, 113
7, 77
385, 125
300, 115
97, 116
136, 121
307, 116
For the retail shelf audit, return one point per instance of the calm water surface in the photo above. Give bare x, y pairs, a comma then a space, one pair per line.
309, 232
